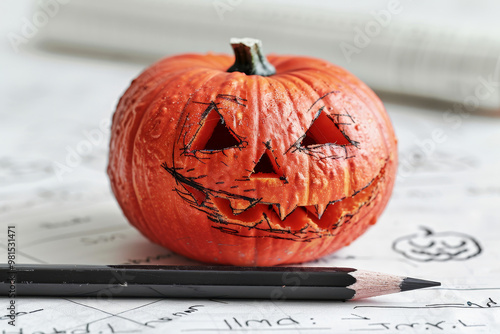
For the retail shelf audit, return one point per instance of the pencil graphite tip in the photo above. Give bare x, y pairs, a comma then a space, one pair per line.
414, 283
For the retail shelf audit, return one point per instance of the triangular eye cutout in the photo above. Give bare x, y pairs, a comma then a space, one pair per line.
213, 135
266, 167
324, 131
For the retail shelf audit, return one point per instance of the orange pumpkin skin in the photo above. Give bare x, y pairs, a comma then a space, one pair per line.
331, 148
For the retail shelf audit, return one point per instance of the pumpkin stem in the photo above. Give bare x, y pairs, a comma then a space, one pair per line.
249, 58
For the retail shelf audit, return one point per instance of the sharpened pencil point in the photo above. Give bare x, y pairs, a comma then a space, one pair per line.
415, 283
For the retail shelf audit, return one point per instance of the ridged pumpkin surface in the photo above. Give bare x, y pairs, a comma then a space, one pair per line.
243, 169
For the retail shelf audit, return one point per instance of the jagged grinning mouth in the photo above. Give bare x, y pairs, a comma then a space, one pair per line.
303, 215
216, 204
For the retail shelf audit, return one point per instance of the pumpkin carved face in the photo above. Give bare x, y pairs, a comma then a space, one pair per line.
249, 169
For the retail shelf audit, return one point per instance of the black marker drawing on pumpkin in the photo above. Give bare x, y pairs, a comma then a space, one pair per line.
217, 204
429, 246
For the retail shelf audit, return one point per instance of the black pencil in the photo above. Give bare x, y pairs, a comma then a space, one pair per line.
201, 282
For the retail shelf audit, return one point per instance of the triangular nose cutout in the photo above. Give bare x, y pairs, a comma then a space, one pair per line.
266, 167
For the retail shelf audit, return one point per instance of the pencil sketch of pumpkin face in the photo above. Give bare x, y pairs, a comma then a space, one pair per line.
428, 246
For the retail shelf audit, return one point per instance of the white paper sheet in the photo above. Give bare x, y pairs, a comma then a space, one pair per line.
447, 195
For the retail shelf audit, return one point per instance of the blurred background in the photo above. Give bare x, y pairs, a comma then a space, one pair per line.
65, 63
425, 49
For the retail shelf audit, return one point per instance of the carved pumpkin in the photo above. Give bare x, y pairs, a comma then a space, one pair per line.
265, 163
